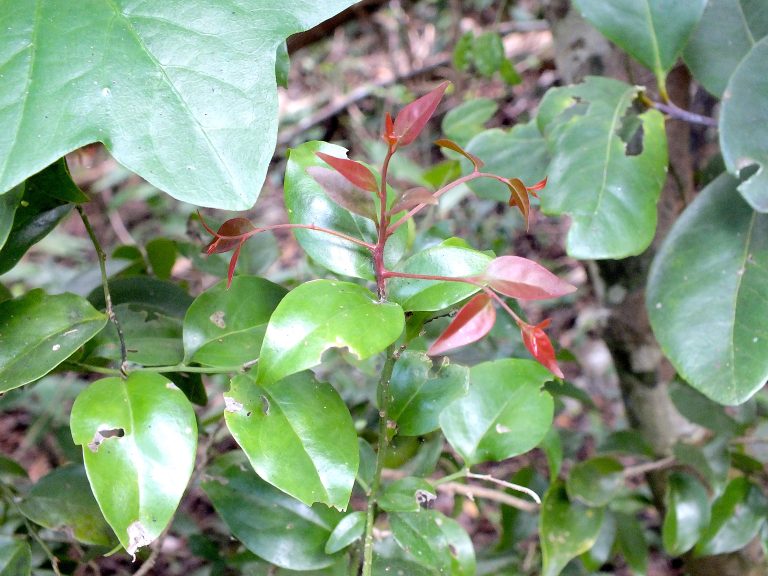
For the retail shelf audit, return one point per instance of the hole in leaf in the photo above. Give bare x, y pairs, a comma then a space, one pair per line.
102, 435
425, 499
232, 405
630, 130
138, 536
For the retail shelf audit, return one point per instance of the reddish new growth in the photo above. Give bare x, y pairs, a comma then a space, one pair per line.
354, 187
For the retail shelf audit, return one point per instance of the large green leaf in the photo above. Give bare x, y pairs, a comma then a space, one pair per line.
63, 500
15, 558
687, 513
225, 327
434, 541
745, 112
307, 203
610, 196
145, 292
325, 314
418, 397
505, 413
38, 332
652, 31
566, 529
451, 258
468, 119
183, 93
298, 436
706, 295
520, 152
727, 31
595, 482
272, 525
139, 438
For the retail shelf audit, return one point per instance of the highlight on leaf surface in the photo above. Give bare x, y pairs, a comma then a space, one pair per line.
353, 171
413, 117
471, 323
451, 145
538, 344
519, 277
412, 198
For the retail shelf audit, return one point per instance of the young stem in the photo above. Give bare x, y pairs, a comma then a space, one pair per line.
383, 229
102, 256
383, 444
314, 227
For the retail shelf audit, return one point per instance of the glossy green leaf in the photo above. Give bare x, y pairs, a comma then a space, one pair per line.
139, 438
152, 339
10, 469
225, 327
434, 541
631, 541
595, 482
9, 203
467, 119
62, 500
699, 409
307, 203
272, 525
298, 436
15, 558
737, 517
505, 413
38, 332
706, 305
566, 529
418, 396
407, 494
350, 528
145, 292
687, 513
202, 129
711, 462
609, 195
745, 111
520, 152
602, 550
324, 314
161, 253
449, 259
652, 31
727, 31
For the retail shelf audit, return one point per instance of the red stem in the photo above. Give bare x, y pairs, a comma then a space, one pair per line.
379, 269
255, 231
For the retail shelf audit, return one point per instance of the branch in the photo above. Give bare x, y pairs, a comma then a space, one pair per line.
678, 113
488, 494
641, 469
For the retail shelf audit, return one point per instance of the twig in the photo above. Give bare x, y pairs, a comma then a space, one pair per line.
102, 256
488, 494
641, 469
505, 484
679, 114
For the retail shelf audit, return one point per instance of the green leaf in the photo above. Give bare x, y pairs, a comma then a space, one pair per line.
446, 259
272, 525
298, 436
700, 410
139, 438
727, 31
711, 462
147, 293
152, 339
406, 495
161, 253
307, 203
15, 558
488, 53
552, 446
418, 397
687, 513
631, 540
324, 314
745, 111
610, 196
282, 65
566, 529
62, 500
202, 129
350, 528
737, 517
707, 307
520, 152
434, 541
9, 203
595, 482
505, 413
468, 119
38, 332
653, 32
225, 327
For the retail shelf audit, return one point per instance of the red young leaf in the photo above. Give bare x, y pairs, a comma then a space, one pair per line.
450, 144
538, 344
389, 131
522, 278
538, 186
233, 263
343, 192
413, 117
412, 198
229, 235
473, 321
519, 197
353, 171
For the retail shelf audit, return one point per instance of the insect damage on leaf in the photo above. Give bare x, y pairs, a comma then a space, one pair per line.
102, 435
138, 536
